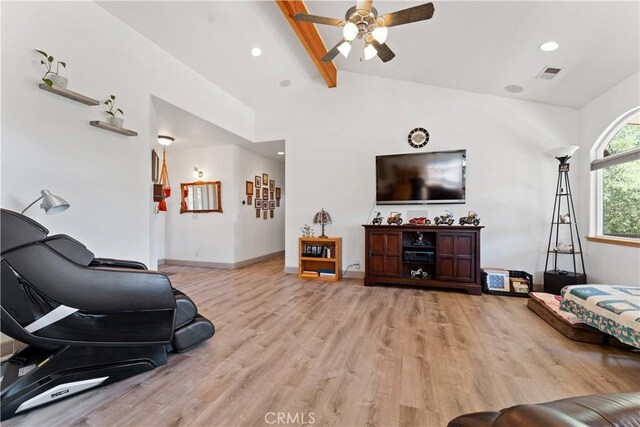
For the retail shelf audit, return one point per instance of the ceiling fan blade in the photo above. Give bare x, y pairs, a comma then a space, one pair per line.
364, 5
407, 16
332, 53
384, 52
318, 19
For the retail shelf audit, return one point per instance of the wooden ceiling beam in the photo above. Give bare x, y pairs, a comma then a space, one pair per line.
310, 39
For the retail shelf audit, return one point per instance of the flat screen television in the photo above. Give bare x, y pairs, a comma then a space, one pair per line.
421, 178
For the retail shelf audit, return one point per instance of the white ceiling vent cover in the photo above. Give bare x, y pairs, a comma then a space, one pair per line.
548, 73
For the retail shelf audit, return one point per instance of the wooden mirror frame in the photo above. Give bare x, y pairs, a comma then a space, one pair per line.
183, 203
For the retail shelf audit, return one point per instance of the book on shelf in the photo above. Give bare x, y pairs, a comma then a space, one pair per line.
327, 273
327, 251
310, 273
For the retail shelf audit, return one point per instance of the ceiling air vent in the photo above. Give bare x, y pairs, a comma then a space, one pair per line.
548, 73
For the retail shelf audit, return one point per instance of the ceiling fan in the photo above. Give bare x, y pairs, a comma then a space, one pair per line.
362, 21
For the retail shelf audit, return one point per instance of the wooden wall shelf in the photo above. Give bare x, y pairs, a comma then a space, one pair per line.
112, 128
70, 95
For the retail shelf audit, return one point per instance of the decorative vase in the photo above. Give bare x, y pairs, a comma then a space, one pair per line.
116, 121
58, 82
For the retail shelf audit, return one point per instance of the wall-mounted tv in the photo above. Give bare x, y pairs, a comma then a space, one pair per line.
421, 178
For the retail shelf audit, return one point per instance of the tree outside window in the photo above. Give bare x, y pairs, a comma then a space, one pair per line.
620, 193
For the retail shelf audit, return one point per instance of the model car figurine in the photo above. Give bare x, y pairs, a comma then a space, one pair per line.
471, 218
447, 218
421, 220
394, 218
377, 220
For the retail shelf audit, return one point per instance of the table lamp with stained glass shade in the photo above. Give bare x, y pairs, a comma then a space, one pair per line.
323, 218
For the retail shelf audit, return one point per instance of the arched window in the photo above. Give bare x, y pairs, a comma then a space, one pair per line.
617, 165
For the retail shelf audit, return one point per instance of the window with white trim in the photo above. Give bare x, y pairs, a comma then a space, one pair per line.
617, 166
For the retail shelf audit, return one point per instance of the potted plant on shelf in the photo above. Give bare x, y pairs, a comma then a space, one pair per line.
113, 112
52, 78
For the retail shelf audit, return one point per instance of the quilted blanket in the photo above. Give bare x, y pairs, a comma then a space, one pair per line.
615, 310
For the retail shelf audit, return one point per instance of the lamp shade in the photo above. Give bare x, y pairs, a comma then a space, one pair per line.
322, 217
345, 48
165, 140
53, 204
564, 151
369, 52
350, 31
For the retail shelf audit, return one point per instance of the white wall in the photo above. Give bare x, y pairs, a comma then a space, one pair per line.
205, 237
258, 237
230, 237
332, 138
48, 143
605, 263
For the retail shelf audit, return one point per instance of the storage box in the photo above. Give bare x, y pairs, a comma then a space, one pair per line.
519, 285
513, 274
554, 281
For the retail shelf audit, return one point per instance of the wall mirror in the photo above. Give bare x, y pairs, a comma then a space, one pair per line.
200, 197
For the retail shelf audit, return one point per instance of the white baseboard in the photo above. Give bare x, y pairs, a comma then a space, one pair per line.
223, 265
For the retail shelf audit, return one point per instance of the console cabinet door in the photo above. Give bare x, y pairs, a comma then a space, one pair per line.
455, 257
385, 253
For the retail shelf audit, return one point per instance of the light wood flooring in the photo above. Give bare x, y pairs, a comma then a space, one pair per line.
349, 354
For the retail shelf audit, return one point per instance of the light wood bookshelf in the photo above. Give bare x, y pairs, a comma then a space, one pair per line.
334, 262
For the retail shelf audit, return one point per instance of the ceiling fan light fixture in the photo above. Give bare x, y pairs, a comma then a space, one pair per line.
345, 48
380, 34
369, 52
350, 31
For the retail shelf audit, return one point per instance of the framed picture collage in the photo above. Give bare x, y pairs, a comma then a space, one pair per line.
263, 195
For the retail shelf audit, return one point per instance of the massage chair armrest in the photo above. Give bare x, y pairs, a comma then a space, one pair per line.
117, 263
92, 289
77, 252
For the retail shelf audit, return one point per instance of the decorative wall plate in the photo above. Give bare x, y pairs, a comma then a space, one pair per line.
418, 137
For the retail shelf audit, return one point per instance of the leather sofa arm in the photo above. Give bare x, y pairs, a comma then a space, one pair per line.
535, 416
611, 409
476, 419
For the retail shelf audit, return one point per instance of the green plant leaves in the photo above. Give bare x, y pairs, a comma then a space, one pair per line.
110, 113
48, 82
64, 64
45, 54
120, 111
50, 59
113, 97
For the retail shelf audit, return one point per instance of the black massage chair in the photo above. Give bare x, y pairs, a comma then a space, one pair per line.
87, 321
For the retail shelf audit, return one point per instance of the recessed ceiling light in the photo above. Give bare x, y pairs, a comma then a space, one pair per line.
256, 51
280, 153
285, 83
513, 88
548, 46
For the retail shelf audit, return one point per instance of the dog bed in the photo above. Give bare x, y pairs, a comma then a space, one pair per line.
548, 308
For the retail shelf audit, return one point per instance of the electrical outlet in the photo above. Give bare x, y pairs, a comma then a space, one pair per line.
356, 265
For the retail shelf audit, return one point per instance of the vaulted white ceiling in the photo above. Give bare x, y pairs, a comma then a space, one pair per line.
476, 46
191, 131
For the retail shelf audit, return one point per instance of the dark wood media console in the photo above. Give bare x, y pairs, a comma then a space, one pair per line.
450, 255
